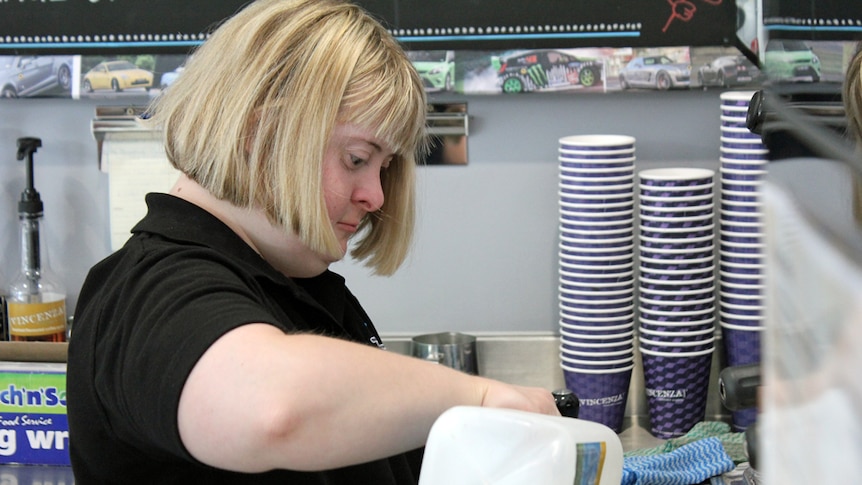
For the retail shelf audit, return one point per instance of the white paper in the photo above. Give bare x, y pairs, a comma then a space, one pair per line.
136, 165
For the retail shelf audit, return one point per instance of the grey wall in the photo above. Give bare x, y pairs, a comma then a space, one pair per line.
485, 253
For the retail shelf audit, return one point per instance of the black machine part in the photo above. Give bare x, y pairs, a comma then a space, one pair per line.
30, 204
737, 386
567, 402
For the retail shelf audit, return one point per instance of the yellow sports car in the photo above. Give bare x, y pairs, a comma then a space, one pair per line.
117, 75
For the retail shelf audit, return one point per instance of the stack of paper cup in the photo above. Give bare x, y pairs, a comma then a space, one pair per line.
744, 159
596, 287
677, 295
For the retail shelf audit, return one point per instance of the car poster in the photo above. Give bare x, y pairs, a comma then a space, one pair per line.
509, 72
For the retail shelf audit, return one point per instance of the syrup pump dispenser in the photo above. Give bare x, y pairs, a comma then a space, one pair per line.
36, 304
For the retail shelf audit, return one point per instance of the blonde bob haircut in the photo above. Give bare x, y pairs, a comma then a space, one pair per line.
251, 114
852, 96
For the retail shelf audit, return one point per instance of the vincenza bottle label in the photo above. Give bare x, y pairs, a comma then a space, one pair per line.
36, 319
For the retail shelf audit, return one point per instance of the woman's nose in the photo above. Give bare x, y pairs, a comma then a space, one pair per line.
369, 193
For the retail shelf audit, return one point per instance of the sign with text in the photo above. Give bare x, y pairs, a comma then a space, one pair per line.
34, 429
172, 26
813, 19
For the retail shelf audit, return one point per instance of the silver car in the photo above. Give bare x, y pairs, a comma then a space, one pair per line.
22, 76
656, 72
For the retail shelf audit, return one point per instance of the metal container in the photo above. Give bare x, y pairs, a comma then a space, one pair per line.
452, 349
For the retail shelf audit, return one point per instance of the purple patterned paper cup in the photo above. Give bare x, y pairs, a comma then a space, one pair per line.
739, 279
612, 327
746, 301
567, 190
736, 196
695, 264
703, 284
567, 227
597, 302
576, 313
596, 142
595, 206
567, 317
672, 192
694, 244
676, 176
606, 307
741, 237
574, 337
732, 175
595, 294
602, 396
574, 166
671, 298
742, 269
596, 279
744, 153
610, 362
599, 260
685, 307
694, 201
742, 310
684, 211
652, 333
676, 224
625, 169
740, 142
734, 110
592, 218
757, 165
740, 97
574, 254
600, 354
583, 285
598, 153
742, 345
676, 234
733, 122
753, 207
576, 276
649, 327
573, 270
588, 330
676, 388
733, 320
666, 316
594, 181
743, 248
602, 234
731, 217
678, 343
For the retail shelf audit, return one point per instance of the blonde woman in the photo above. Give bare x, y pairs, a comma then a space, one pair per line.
216, 346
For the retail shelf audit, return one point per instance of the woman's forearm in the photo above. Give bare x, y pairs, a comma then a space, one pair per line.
288, 413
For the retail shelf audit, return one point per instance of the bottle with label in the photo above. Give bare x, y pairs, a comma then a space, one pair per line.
35, 301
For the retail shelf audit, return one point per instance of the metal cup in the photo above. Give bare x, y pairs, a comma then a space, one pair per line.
452, 349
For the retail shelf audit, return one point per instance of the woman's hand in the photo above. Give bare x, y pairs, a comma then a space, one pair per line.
533, 399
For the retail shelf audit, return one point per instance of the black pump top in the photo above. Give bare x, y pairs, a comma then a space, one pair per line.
30, 204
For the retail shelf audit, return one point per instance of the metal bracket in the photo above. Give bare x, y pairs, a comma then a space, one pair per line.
112, 120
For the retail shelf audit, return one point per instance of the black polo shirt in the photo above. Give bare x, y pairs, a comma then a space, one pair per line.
144, 317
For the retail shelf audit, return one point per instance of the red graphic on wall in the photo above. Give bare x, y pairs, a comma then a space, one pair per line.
684, 10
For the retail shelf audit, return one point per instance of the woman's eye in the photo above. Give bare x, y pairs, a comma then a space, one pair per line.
356, 161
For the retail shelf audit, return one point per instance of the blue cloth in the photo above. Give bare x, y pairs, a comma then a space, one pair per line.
687, 465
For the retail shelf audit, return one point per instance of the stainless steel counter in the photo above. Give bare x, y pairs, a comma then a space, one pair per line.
532, 359
526, 359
